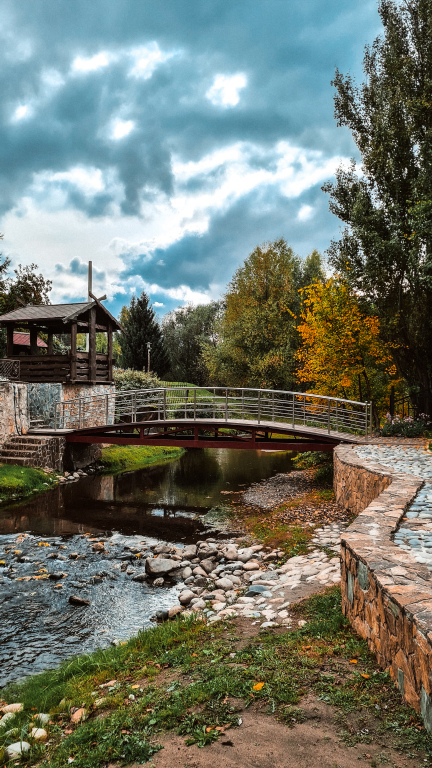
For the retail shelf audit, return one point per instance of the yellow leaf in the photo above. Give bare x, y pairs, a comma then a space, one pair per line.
258, 686
353, 661
366, 677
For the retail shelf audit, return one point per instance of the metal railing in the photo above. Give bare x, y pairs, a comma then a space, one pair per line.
9, 369
260, 406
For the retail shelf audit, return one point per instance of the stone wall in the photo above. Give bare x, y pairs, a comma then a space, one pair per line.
386, 593
13, 410
43, 397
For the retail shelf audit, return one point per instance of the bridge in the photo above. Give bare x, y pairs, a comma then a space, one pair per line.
192, 417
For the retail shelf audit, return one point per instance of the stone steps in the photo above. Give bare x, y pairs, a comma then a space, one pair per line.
31, 451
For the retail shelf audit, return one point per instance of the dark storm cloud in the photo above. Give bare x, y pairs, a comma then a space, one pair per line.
286, 49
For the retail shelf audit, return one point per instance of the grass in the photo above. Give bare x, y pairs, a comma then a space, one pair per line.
17, 482
120, 458
191, 678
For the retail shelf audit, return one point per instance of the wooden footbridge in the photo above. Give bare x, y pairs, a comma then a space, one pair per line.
221, 417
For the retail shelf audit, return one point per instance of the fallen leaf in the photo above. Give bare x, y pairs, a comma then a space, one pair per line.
353, 661
258, 686
366, 677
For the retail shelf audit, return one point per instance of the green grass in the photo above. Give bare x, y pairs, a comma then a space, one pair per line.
17, 481
120, 458
184, 676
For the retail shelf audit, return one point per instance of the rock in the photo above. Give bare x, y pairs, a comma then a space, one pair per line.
199, 605
161, 615
187, 572
100, 702
189, 580
5, 719
39, 734
251, 565
256, 589
208, 565
140, 578
269, 624
189, 551
244, 555
75, 600
174, 611
200, 581
42, 717
224, 584
159, 582
230, 553
57, 575
12, 708
98, 547
186, 596
158, 566
17, 749
198, 571
79, 715
218, 606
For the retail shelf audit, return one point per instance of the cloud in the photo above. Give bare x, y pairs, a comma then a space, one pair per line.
225, 91
305, 213
122, 128
91, 63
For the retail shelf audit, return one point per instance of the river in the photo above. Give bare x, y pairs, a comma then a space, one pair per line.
52, 533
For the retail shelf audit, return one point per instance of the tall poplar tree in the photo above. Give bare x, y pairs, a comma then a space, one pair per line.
139, 327
385, 252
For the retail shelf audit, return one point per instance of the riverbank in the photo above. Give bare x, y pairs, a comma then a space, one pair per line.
277, 680
125, 458
17, 482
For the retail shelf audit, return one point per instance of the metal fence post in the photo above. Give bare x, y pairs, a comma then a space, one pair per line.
328, 417
226, 405
273, 416
194, 404
164, 405
337, 422
79, 413
259, 406
293, 410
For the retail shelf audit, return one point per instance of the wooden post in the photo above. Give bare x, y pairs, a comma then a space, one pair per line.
10, 333
50, 350
92, 345
110, 352
33, 340
73, 336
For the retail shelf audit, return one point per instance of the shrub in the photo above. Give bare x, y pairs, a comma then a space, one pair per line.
130, 379
408, 426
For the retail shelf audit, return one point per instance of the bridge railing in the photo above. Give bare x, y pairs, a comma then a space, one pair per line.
261, 406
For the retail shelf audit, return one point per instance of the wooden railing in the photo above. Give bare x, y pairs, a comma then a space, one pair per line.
56, 368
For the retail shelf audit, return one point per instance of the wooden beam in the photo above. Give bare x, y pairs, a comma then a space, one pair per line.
110, 352
50, 349
10, 333
33, 340
92, 345
73, 350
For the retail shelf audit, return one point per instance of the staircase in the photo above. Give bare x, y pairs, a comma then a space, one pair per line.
33, 451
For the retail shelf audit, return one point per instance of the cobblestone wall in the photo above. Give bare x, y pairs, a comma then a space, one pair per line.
386, 593
43, 397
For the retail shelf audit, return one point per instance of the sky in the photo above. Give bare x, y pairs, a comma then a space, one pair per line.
165, 139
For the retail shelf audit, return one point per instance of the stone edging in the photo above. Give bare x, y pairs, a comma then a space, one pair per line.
386, 593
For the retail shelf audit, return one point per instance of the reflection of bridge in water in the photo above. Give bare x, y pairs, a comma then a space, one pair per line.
221, 417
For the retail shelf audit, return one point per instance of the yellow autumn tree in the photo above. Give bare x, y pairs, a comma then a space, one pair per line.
341, 352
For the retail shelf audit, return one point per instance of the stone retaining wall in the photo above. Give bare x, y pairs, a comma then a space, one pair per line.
386, 593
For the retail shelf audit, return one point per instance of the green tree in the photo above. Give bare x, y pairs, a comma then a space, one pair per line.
186, 330
140, 326
385, 252
257, 334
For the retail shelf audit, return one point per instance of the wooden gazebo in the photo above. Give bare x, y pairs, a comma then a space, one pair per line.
41, 363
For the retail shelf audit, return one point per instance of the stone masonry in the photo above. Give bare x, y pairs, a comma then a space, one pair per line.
386, 592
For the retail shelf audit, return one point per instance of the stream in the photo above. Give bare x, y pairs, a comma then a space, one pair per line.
47, 552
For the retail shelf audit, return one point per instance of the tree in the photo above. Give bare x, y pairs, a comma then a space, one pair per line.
140, 327
257, 334
385, 252
342, 353
185, 331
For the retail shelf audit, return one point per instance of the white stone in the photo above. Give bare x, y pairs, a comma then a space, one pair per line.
39, 734
17, 749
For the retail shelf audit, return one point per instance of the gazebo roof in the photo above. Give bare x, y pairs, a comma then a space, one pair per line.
41, 313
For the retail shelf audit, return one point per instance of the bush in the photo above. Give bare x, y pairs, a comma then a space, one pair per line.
130, 379
408, 426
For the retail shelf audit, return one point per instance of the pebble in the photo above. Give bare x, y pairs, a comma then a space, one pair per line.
17, 749
39, 734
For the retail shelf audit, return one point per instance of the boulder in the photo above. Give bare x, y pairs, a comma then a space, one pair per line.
189, 551
244, 555
230, 553
224, 584
186, 596
199, 605
198, 571
187, 572
158, 566
159, 582
208, 565
174, 611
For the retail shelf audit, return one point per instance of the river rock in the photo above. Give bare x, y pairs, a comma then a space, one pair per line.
207, 564
17, 707
187, 572
159, 582
230, 553
79, 715
75, 600
42, 717
199, 605
251, 565
200, 581
189, 551
186, 596
57, 575
161, 615
224, 584
39, 734
158, 566
5, 719
174, 611
198, 571
256, 589
244, 555
139, 577
17, 749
